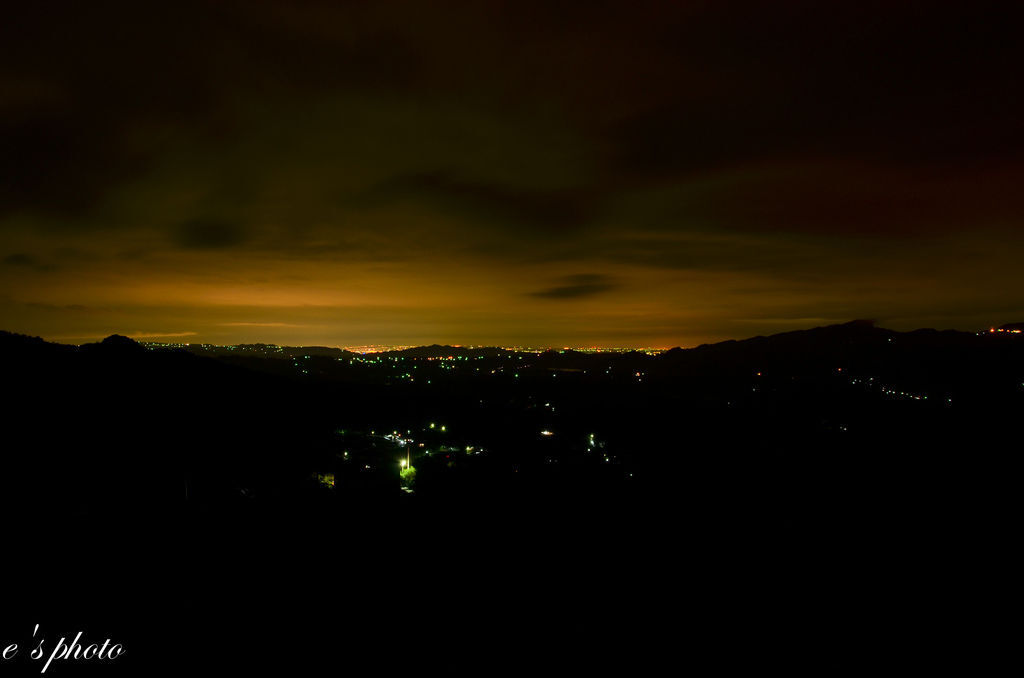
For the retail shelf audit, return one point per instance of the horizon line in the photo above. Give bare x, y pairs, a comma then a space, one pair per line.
150, 338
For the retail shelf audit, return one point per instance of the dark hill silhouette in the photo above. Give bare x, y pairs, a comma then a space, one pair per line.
856, 345
12, 342
265, 350
119, 340
186, 488
853, 332
115, 343
324, 351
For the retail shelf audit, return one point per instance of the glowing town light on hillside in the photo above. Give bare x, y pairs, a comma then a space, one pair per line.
546, 433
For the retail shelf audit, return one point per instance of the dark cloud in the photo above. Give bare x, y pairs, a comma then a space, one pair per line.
894, 82
488, 203
788, 159
22, 260
662, 94
203, 234
61, 307
577, 287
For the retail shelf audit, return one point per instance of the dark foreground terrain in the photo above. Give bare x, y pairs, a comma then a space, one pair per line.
831, 501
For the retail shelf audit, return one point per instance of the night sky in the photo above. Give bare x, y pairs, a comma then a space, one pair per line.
592, 173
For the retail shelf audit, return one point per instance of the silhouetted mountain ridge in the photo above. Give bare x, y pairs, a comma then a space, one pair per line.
859, 344
845, 439
10, 340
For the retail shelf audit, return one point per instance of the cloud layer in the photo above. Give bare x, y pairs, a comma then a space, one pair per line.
473, 172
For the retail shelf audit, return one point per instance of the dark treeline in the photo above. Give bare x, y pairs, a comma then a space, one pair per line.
810, 501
